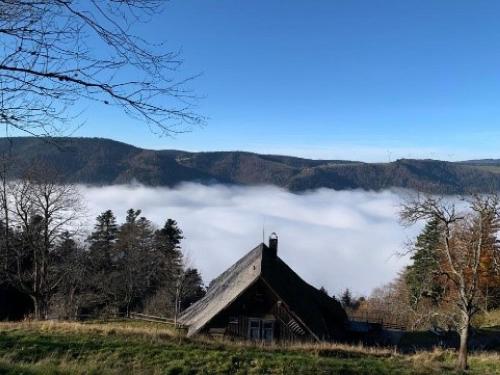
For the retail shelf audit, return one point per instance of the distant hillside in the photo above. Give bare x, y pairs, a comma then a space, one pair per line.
103, 161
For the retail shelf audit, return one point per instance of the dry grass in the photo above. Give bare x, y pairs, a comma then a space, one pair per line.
488, 319
136, 347
106, 328
159, 332
312, 347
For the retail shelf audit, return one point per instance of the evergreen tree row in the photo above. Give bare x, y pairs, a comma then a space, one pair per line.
119, 268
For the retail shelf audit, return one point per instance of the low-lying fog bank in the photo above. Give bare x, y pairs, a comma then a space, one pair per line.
335, 239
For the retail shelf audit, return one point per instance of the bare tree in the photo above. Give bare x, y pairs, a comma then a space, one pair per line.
41, 209
466, 237
70, 262
54, 53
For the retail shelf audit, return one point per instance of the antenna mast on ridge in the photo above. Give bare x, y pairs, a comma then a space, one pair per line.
263, 229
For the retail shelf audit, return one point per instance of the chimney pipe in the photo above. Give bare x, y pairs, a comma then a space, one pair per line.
273, 244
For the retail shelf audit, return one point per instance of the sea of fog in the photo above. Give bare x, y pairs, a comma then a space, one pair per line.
335, 239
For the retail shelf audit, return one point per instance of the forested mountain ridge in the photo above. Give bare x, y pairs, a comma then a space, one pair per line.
102, 162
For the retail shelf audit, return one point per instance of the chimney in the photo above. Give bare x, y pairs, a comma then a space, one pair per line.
273, 244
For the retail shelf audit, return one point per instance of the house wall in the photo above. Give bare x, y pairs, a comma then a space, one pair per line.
257, 302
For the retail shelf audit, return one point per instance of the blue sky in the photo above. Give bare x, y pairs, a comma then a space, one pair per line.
343, 79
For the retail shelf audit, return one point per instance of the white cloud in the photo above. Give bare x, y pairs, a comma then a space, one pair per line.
337, 239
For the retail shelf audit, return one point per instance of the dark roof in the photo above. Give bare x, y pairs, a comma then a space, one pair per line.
322, 315
223, 290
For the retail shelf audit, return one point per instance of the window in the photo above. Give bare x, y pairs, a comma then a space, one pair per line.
259, 329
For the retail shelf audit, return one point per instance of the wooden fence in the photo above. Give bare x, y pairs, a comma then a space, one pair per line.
378, 318
156, 319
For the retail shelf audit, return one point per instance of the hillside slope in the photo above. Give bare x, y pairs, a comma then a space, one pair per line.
103, 161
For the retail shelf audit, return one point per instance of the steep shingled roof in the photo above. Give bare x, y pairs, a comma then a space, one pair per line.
322, 315
224, 290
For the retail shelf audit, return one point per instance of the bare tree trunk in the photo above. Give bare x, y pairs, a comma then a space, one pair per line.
72, 306
5, 213
463, 351
178, 295
36, 307
128, 301
40, 308
76, 309
46, 304
176, 309
128, 310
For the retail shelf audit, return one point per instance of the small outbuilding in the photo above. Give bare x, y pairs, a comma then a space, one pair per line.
261, 298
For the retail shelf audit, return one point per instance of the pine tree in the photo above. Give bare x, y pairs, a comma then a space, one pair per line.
172, 234
346, 298
99, 262
135, 262
170, 260
101, 240
170, 273
421, 277
193, 288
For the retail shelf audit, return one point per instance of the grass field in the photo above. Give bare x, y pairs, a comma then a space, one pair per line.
133, 347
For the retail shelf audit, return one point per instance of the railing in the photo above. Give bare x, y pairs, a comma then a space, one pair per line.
377, 318
292, 328
156, 319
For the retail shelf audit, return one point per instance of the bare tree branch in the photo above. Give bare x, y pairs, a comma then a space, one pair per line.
55, 54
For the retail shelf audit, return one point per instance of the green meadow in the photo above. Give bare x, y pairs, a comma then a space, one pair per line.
124, 347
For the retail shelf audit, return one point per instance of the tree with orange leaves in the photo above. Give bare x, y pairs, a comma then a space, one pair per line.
466, 253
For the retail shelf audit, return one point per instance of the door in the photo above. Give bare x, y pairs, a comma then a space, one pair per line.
254, 329
267, 330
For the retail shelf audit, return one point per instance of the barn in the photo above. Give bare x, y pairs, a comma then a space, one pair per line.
261, 298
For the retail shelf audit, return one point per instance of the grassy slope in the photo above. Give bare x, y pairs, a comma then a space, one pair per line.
71, 348
489, 319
